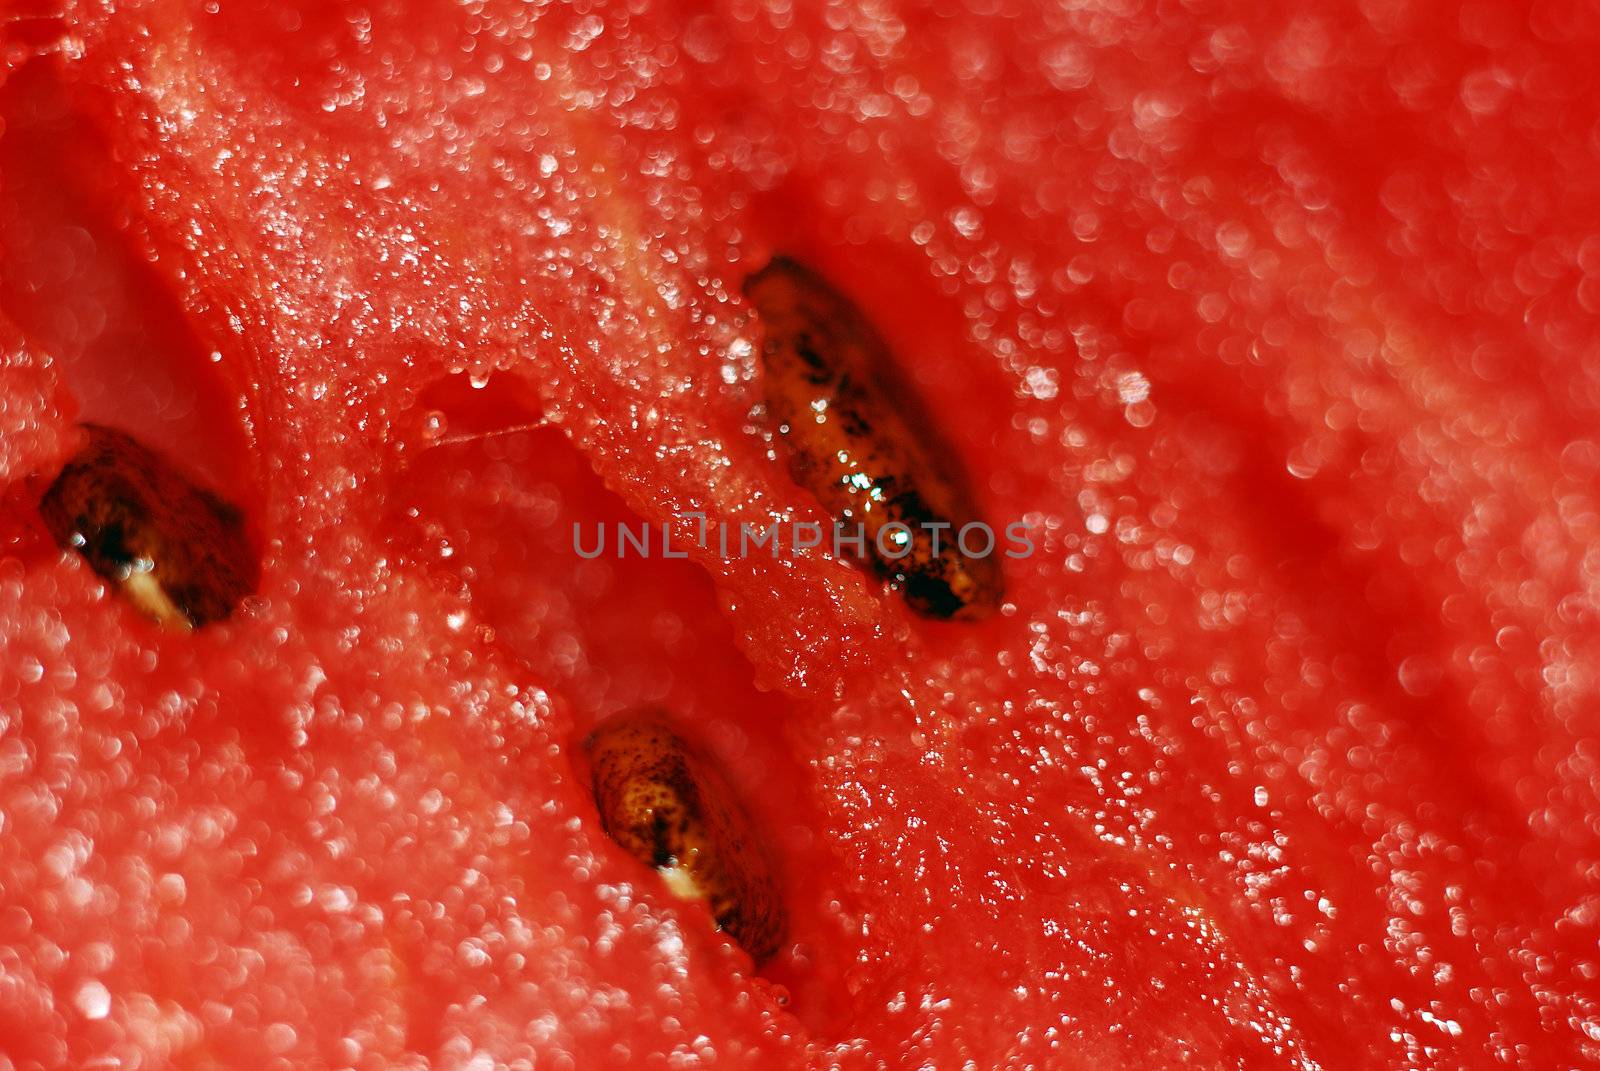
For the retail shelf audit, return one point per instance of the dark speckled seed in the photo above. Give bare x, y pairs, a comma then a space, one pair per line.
174, 549
669, 807
853, 441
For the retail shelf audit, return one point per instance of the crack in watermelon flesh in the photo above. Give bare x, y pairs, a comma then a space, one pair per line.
1275, 325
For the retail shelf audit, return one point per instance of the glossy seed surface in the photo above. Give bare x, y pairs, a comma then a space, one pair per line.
847, 420
666, 803
174, 549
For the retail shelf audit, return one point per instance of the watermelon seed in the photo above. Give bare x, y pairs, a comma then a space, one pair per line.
857, 441
669, 807
174, 549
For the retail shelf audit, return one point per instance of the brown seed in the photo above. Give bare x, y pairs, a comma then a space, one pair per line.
174, 549
669, 807
857, 441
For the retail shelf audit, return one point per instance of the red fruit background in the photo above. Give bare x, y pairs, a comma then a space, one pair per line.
1276, 322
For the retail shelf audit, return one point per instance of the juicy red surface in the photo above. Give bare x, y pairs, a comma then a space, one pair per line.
1275, 324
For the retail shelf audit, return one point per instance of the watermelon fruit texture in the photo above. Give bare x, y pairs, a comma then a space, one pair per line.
1275, 323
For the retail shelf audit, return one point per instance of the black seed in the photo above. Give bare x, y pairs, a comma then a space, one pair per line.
668, 806
173, 548
857, 442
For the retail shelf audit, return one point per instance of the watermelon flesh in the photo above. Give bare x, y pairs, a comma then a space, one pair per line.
1274, 326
